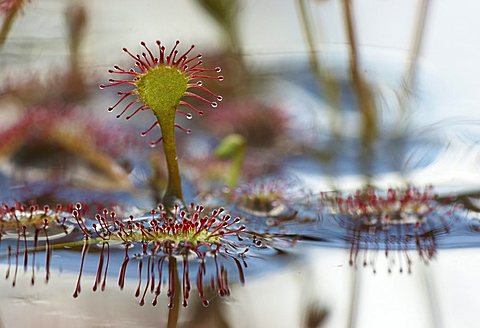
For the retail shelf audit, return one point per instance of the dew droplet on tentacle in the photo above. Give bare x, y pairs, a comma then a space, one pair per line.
154, 143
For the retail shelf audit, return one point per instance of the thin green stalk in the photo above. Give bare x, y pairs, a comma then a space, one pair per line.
173, 193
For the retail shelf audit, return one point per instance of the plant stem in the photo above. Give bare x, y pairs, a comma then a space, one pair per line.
174, 186
324, 78
233, 146
412, 62
365, 97
409, 80
7, 24
366, 102
236, 168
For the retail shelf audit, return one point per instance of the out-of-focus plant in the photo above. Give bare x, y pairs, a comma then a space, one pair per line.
262, 125
77, 19
224, 12
395, 220
28, 229
325, 78
269, 198
10, 10
65, 86
233, 146
42, 132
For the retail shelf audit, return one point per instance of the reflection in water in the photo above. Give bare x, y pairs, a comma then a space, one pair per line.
394, 221
314, 315
159, 242
398, 240
33, 220
29, 229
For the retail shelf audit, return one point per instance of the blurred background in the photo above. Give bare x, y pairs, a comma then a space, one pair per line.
324, 96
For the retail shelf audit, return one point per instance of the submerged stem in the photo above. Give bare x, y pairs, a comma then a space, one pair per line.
175, 309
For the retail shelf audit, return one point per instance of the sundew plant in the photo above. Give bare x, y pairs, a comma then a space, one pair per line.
160, 85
